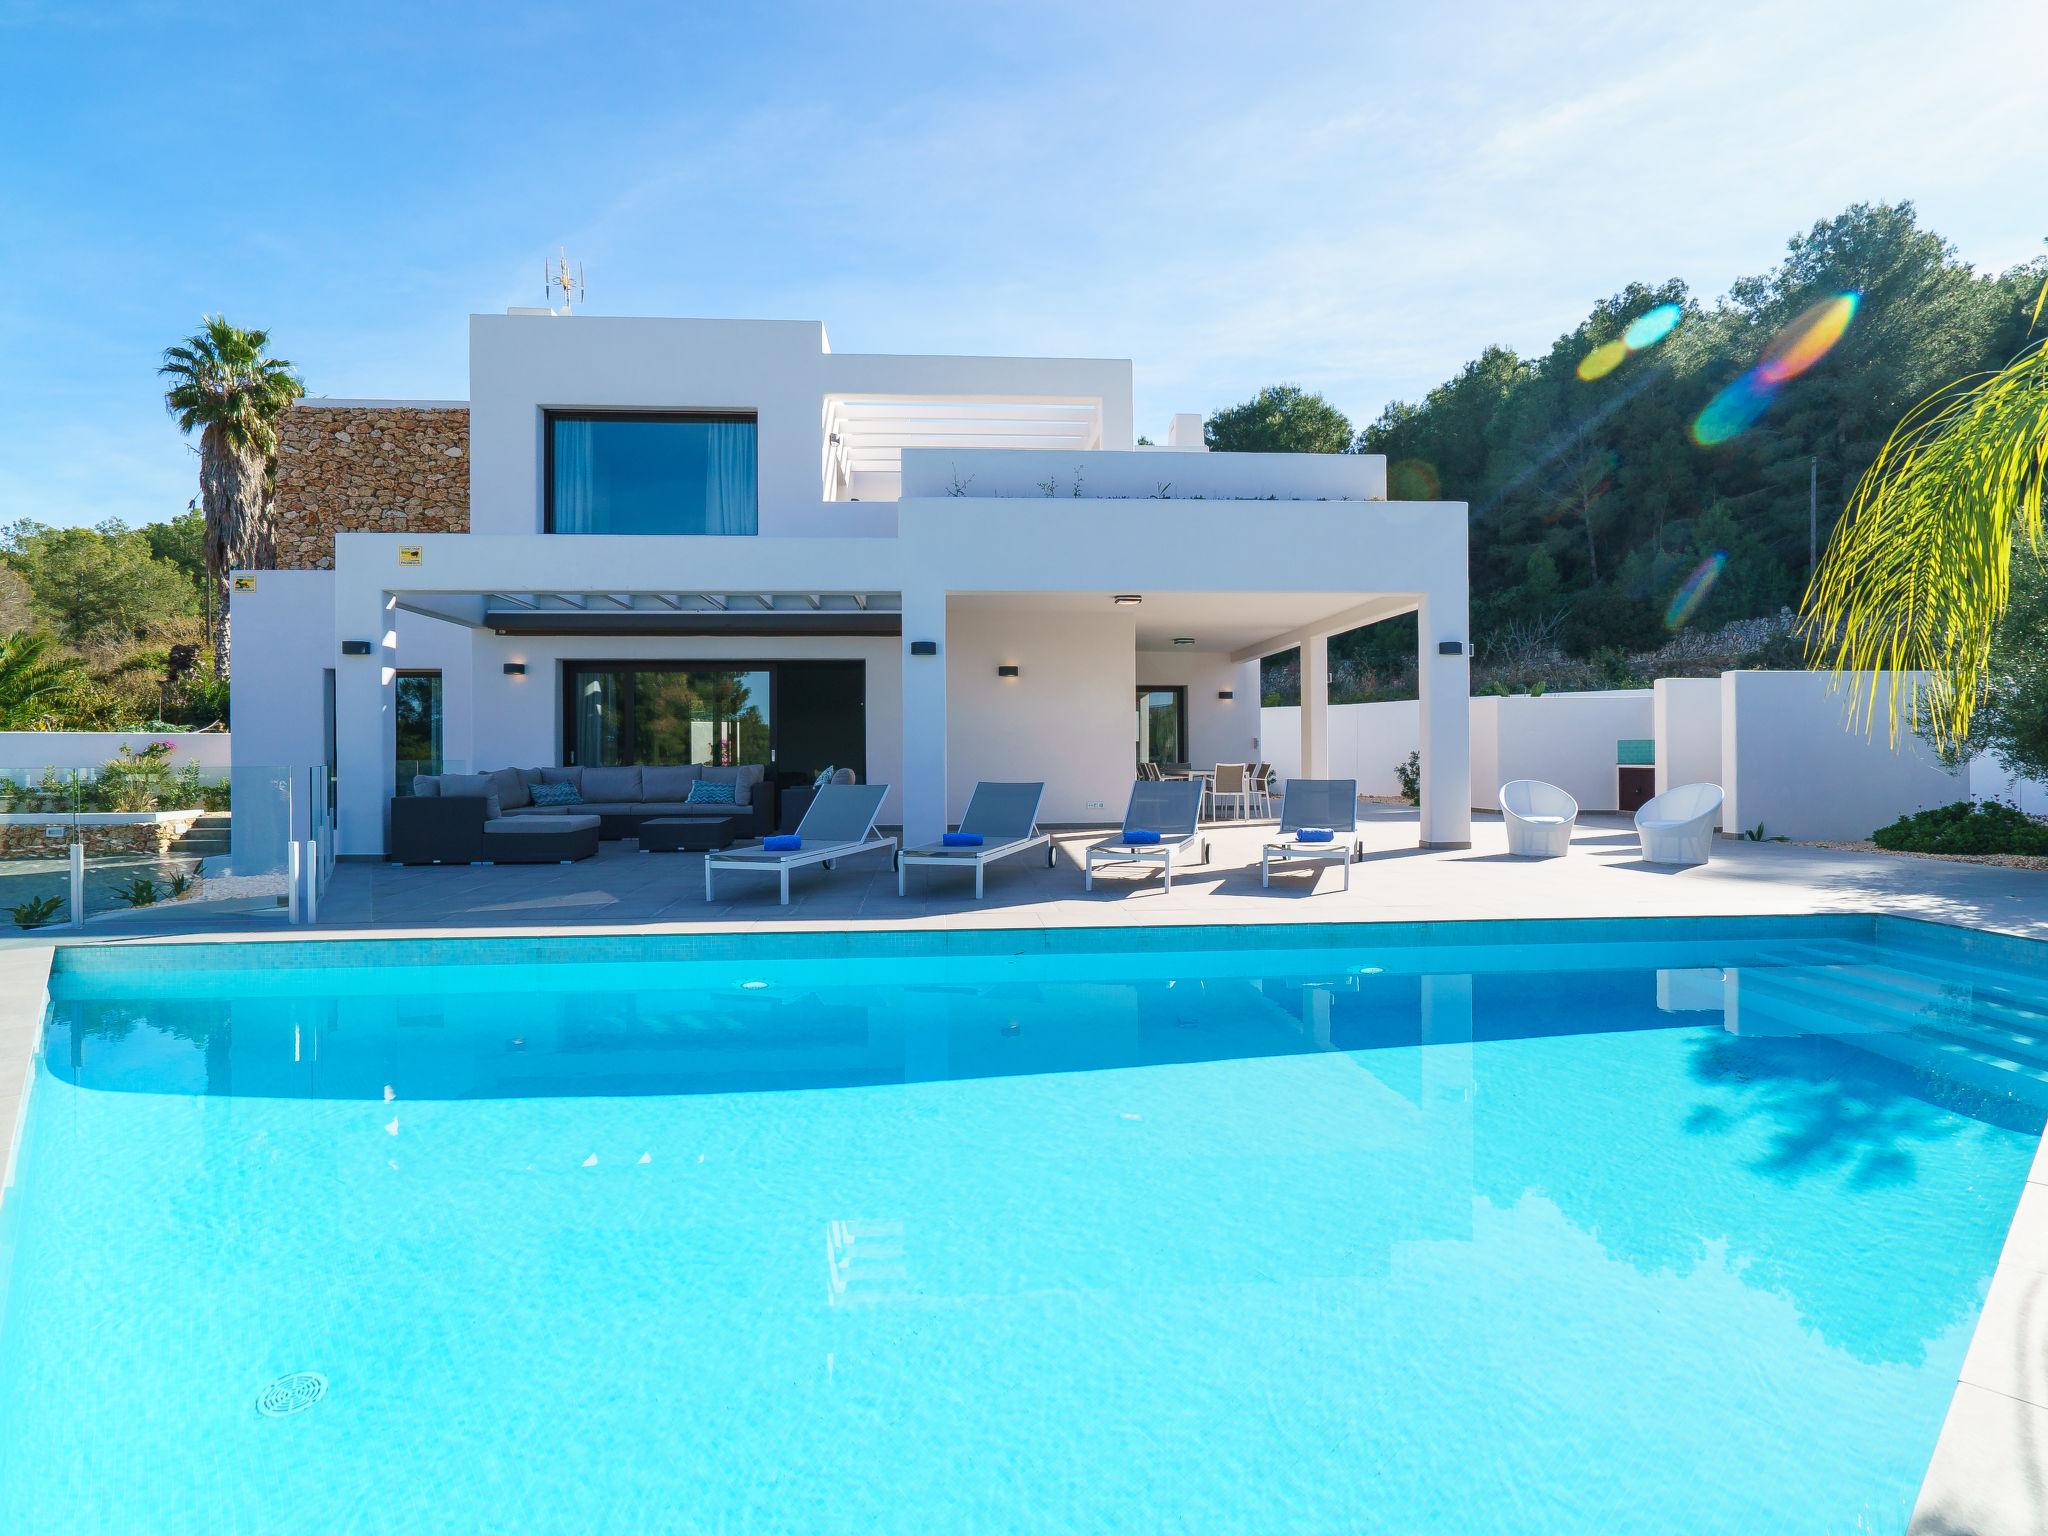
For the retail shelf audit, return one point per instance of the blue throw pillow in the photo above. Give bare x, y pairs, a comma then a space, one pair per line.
1137, 836
1315, 835
557, 794
960, 839
782, 842
704, 792
824, 777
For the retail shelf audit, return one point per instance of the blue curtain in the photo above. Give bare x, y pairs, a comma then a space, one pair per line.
729, 489
575, 488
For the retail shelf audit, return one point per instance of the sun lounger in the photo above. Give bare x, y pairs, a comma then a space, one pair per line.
1003, 816
1309, 807
839, 824
1162, 819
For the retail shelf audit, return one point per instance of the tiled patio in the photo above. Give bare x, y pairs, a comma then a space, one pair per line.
625, 890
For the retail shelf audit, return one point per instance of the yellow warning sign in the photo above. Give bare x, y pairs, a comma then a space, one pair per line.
245, 583
408, 554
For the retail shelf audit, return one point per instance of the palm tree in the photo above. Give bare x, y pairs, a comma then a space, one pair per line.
1920, 568
34, 684
223, 382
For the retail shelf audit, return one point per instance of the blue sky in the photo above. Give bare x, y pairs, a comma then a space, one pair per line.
1355, 197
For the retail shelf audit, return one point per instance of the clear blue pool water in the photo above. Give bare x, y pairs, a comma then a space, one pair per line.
1574, 1228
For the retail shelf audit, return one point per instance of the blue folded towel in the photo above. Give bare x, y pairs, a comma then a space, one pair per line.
782, 842
960, 839
1315, 835
1141, 835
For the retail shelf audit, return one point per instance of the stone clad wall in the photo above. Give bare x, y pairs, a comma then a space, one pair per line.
368, 469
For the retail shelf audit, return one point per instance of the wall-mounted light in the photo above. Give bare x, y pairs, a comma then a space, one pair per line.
1450, 647
1183, 640
1127, 599
1226, 693
515, 669
1008, 670
355, 647
924, 647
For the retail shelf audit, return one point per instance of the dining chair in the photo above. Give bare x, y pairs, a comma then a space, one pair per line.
1231, 787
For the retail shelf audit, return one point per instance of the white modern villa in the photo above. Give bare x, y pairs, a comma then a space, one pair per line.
670, 541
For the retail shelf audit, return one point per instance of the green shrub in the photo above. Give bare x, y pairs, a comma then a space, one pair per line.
1989, 826
1409, 772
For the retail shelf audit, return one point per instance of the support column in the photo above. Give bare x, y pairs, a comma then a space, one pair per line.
365, 719
924, 718
1446, 726
1315, 708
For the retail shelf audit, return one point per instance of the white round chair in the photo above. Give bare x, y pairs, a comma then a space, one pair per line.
1678, 826
1539, 818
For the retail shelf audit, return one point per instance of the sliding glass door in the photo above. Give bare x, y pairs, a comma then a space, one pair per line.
794, 717
1163, 725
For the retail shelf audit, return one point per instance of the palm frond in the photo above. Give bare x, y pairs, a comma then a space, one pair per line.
223, 376
1918, 570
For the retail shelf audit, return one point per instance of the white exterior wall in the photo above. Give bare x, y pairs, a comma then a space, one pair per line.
781, 370
283, 635
1367, 741
1067, 718
1566, 739
1219, 730
1790, 761
93, 749
1687, 724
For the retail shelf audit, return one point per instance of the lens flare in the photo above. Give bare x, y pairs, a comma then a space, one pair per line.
1686, 602
1808, 339
1651, 327
1644, 332
1413, 480
1602, 360
1792, 351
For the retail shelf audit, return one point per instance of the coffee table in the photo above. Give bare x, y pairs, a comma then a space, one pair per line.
690, 834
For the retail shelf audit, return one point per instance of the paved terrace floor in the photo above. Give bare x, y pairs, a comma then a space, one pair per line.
623, 890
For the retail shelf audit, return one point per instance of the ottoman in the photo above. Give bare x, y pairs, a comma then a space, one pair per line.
540, 839
692, 834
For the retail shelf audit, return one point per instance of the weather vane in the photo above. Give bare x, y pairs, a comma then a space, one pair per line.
570, 283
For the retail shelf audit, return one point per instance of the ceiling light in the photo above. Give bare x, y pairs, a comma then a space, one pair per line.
1183, 640
1127, 599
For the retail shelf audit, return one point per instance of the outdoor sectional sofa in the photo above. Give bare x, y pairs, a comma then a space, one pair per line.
455, 818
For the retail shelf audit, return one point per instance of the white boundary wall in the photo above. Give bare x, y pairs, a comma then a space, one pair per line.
1566, 739
1791, 760
1687, 715
1776, 741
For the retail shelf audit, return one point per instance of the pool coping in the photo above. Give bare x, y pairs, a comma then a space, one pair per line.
1988, 1474
24, 999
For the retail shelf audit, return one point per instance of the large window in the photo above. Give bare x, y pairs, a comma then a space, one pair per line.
611, 472
795, 717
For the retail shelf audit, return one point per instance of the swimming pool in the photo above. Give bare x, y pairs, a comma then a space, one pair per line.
1530, 1227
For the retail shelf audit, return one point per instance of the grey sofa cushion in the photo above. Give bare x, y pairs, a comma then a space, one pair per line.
512, 789
668, 782
612, 783
562, 776
533, 775
426, 786
474, 784
562, 823
742, 777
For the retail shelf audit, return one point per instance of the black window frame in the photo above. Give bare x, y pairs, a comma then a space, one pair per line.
565, 722
550, 415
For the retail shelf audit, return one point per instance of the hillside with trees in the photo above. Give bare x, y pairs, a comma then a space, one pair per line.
1600, 504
